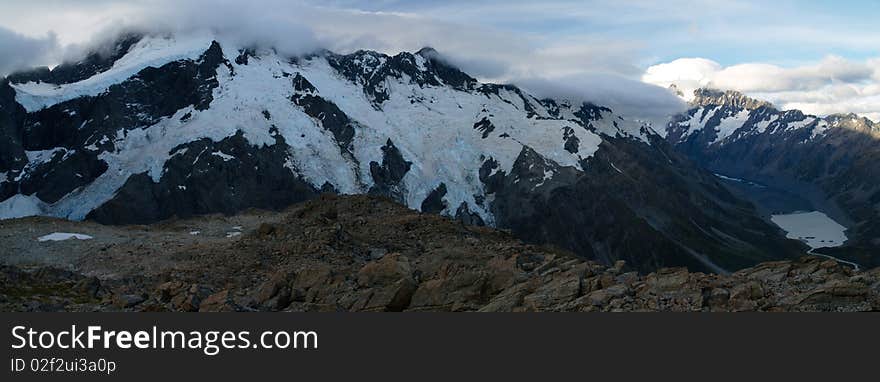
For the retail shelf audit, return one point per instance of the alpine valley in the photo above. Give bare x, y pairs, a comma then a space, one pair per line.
786, 161
159, 127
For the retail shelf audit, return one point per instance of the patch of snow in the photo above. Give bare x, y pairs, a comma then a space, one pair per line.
226, 157
232, 234
814, 228
194, 233
800, 124
738, 180
62, 236
36, 158
548, 174
730, 125
696, 122
663, 133
615, 167
420, 63
729, 178
763, 125
819, 129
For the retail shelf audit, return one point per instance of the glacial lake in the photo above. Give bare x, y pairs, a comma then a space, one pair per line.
814, 228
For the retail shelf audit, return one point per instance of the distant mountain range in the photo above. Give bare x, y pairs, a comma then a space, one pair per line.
165, 127
830, 164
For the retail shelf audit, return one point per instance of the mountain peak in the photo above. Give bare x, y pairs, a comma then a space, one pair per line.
854, 122
709, 97
428, 52
675, 90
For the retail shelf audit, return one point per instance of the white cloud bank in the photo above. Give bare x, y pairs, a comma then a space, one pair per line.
18, 51
832, 85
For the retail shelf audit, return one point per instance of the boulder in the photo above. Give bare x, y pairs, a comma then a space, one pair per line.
454, 287
190, 300
668, 279
390, 281
125, 301
554, 293
219, 302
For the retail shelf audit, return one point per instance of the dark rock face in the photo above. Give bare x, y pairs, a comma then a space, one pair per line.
571, 140
244, 56
434, 203
370, 69
207, 177
389, 175
484, 126
141, 101
331, 118
631, 212
709, 97
446, 72
830, 163
589, 112
12, 155
496, 89
138, 102
358, 67
464, 215
65, 172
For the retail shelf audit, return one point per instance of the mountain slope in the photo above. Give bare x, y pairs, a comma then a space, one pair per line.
178, 127
829, 164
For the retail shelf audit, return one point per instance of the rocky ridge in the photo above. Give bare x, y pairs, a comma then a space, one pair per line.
364, 253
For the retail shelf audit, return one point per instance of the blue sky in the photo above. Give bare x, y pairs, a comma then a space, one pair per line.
730, 32
819, 56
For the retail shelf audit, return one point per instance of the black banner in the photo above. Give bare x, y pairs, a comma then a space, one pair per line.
439, 346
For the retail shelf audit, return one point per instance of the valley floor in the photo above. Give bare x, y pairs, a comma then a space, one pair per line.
361, 253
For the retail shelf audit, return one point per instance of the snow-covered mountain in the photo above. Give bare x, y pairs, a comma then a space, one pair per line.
832, 162
177, 126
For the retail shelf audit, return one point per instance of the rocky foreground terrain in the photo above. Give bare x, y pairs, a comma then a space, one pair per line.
364, 253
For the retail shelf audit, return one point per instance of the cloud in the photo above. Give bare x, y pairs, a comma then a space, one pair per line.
625, 96
558, 48
832, 85
20, 52
688, 74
